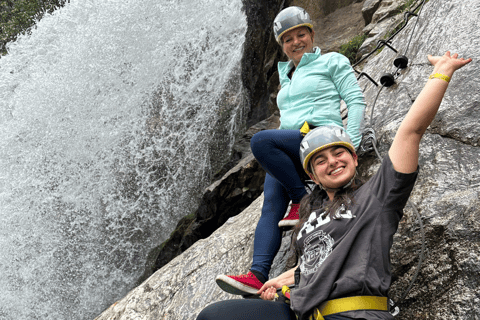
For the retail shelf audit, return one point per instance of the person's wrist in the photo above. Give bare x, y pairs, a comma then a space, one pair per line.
440, 76
444, 68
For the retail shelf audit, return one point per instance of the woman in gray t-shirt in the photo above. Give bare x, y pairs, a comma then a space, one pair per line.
346, 229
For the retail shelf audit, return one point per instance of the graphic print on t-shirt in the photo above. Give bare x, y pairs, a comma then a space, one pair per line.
317, 243
316, 220
318, 247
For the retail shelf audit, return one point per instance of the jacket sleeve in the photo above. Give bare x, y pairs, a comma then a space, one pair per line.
347, 86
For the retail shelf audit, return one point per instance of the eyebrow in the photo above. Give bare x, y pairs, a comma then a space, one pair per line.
298, 32
334, 148
318, 156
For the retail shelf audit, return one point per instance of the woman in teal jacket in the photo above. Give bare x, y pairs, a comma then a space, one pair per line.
314, 90
313, 86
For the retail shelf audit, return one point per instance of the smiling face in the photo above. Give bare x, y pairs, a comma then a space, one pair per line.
296, 42
333, 167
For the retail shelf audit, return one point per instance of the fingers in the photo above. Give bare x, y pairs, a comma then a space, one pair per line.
269, 293
452, 60
458, 62
272, 283
266, 285
263, 288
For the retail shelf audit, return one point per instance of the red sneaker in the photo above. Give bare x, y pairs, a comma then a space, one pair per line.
292, 217
244, 284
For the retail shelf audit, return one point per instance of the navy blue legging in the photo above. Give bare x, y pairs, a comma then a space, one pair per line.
247, 309
277, 151
251, 309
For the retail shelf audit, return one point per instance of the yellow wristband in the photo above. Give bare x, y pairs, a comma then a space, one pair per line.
440, 76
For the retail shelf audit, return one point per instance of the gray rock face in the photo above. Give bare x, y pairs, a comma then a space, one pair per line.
335, 22
338, 28
386, 9
260, 58
446, 193
369, 8
382, 17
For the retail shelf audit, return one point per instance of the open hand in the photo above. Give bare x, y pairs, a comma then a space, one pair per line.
447, 64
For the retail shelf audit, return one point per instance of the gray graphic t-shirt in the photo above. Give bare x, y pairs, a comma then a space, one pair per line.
349, 255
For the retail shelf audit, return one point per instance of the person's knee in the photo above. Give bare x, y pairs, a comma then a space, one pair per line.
259, 141
222, 310
209, 313
203, 315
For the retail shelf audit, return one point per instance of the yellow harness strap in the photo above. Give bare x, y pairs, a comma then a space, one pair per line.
305, 128
350, 304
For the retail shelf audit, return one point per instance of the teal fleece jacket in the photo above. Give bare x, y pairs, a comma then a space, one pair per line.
315, 90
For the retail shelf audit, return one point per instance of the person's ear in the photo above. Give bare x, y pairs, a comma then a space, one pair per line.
313, 178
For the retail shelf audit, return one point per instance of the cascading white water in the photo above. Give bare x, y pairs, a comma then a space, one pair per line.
106, 114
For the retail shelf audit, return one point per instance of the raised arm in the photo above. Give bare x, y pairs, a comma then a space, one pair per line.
405, 147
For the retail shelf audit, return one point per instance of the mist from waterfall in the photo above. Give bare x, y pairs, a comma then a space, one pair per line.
107, 113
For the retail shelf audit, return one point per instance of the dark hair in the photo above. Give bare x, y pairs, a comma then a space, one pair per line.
315, 200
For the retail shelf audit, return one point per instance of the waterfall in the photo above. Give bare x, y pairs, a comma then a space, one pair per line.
107, 113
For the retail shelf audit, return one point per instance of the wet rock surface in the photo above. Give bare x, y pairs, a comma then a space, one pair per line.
225, 198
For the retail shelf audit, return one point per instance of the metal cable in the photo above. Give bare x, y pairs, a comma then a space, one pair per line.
416, 22
417, 214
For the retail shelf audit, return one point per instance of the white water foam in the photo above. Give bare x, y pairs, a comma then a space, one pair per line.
106, 113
